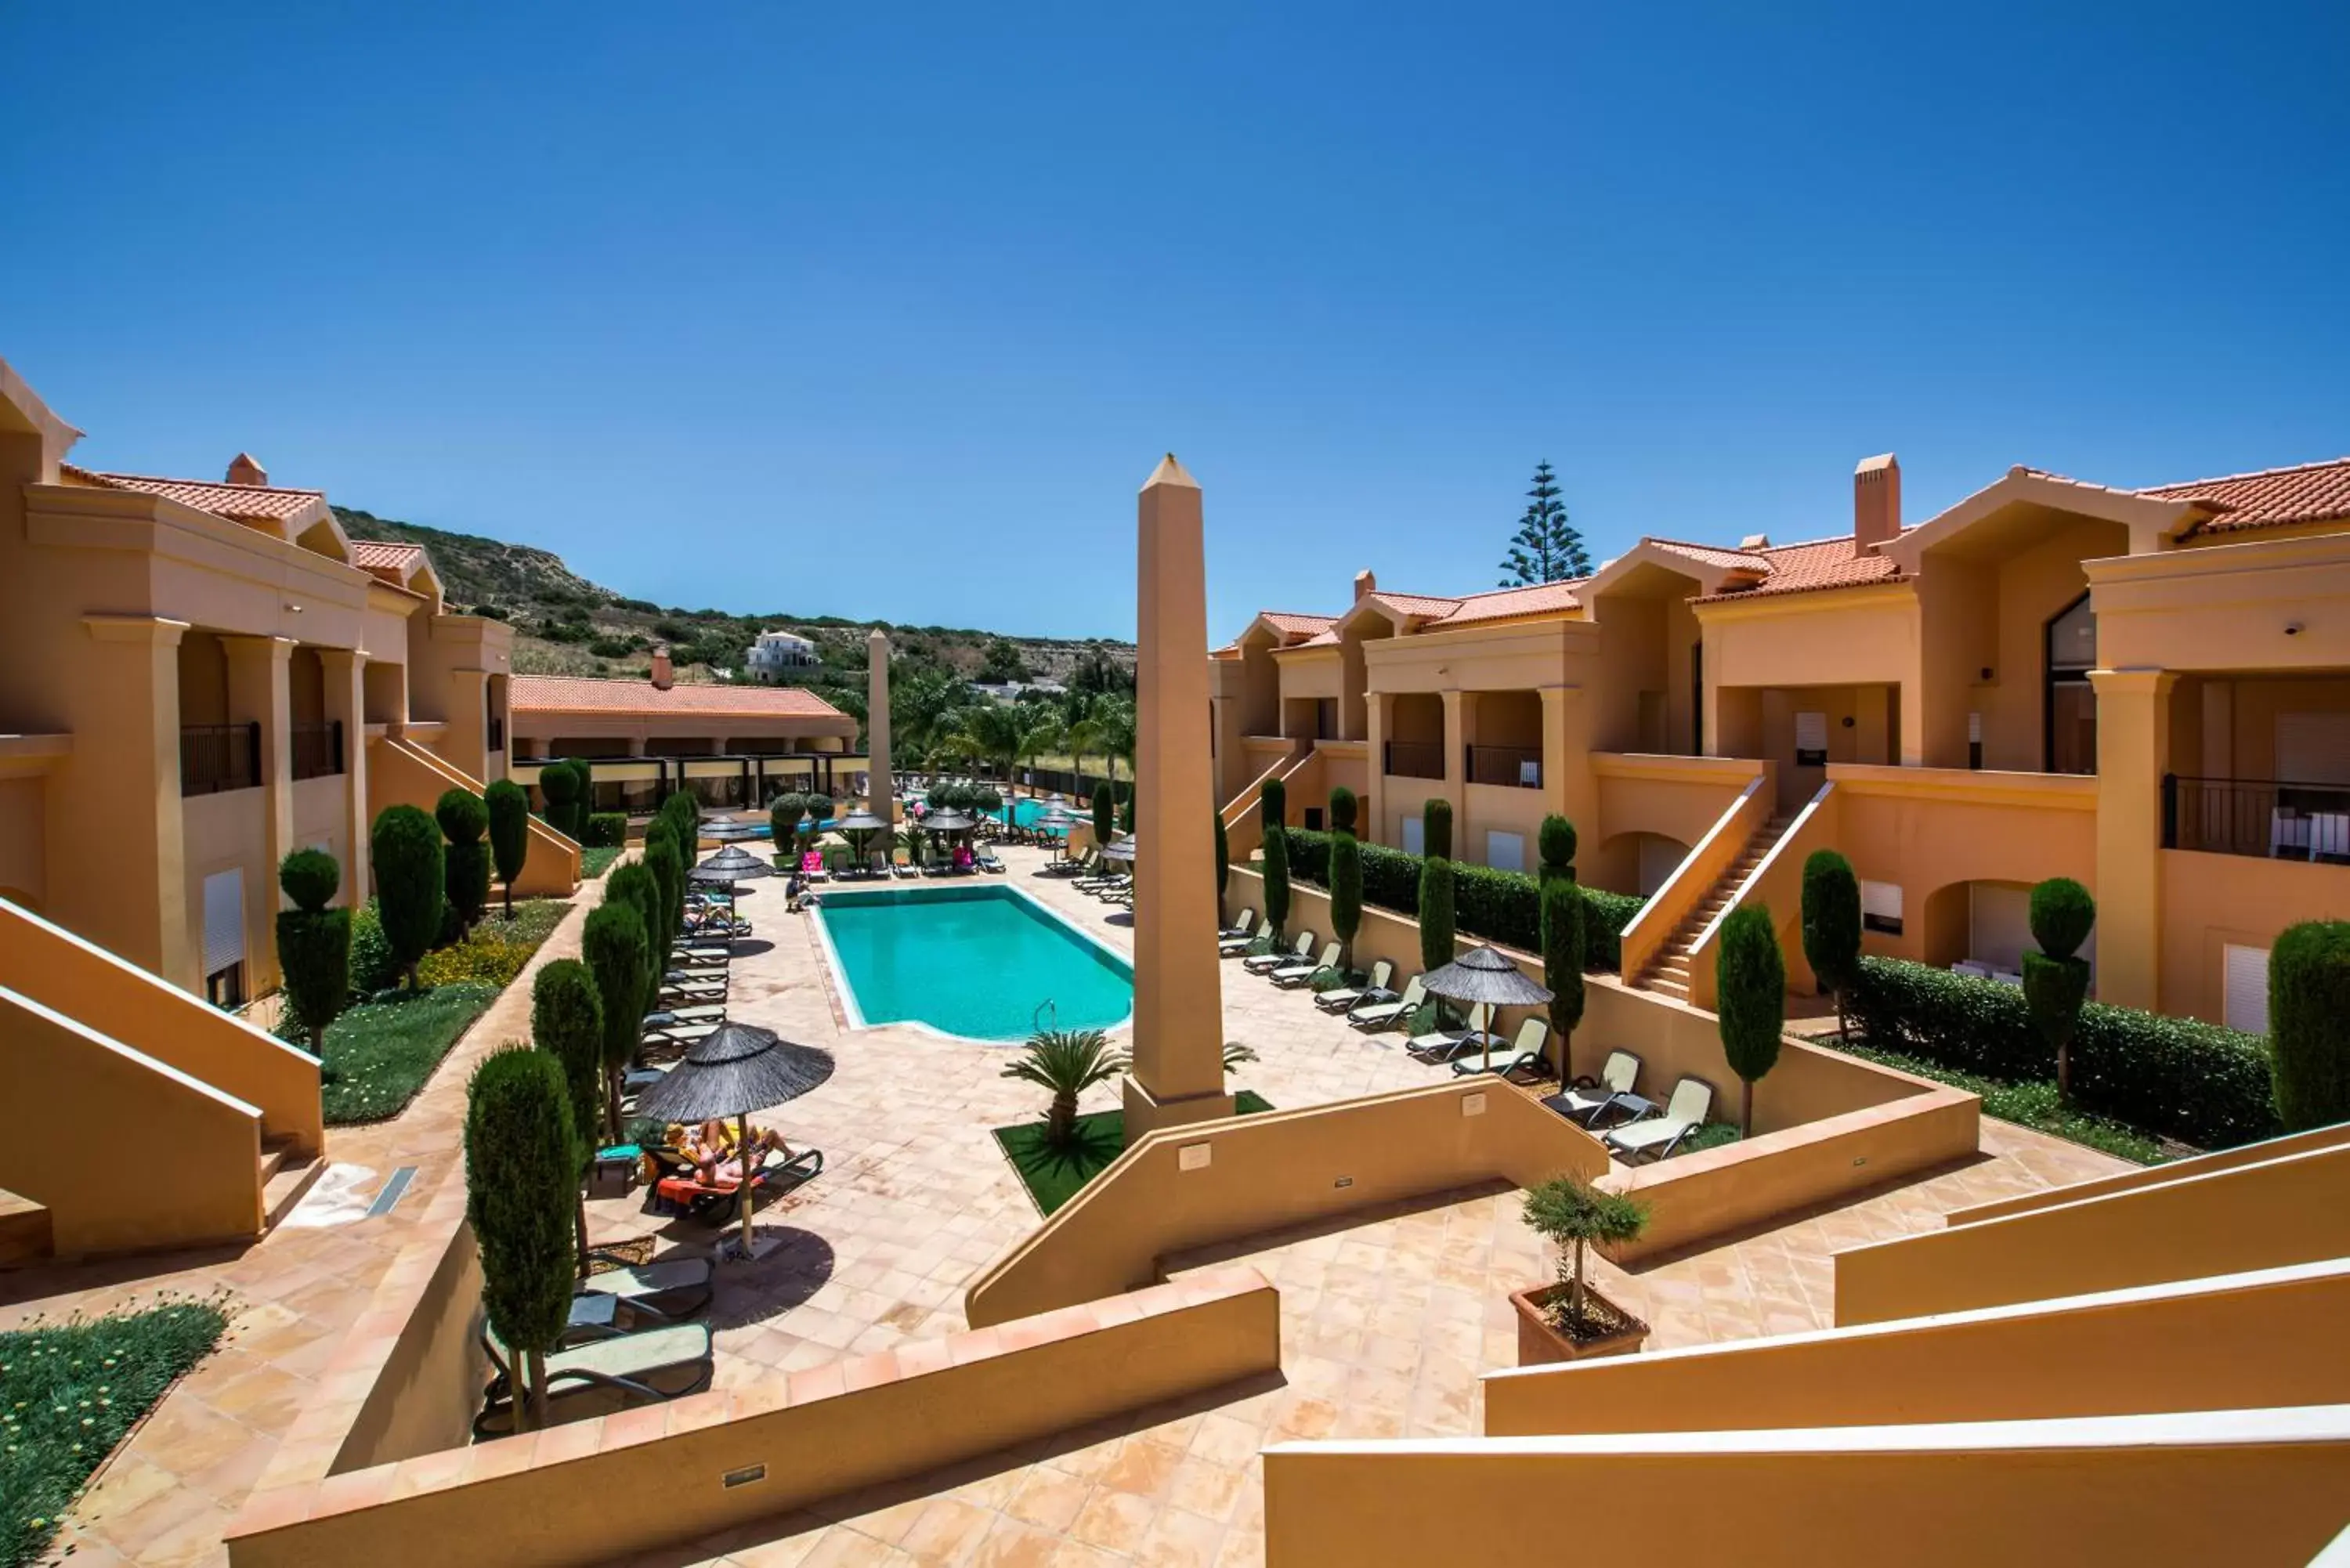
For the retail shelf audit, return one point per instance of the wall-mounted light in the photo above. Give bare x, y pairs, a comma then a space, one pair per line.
2293, 628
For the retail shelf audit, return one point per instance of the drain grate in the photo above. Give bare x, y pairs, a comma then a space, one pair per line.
393, 1192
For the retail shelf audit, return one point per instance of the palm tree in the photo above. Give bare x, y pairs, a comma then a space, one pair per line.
1116, 717
1082, 734
1068, 1062
1003, 732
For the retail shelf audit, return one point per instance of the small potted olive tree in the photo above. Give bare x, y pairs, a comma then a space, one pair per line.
1571, 1321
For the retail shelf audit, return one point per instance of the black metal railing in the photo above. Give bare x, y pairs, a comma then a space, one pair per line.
1518, 767
217, 758
497, 734
2271, 818
1415, 759
317, 750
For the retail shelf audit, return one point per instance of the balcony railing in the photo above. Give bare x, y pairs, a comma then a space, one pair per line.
2273, 819
317, 750
1514, 766
1415, 759
497, 737
217, 758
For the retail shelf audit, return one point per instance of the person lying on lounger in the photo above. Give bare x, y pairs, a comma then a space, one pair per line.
716, 1160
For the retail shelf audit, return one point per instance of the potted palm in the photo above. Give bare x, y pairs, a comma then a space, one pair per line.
1570, 1321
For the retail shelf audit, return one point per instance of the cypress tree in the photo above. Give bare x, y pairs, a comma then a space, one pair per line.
635, 886
1342, 810
566, 1022
1223, 862
2308, 1024
1831, 926
1563, 915
1435, 912
509, 810
522, 1163
1750, 987
1273, 805
2055, 982
314, 942
562, 789
1277, 882
613, 943
1105, 810
1345, 894
405, 850
1436, 828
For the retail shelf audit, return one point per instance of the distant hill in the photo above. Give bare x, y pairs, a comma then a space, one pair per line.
565, 625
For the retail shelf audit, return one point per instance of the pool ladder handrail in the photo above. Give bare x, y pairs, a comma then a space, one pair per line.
1042, 1008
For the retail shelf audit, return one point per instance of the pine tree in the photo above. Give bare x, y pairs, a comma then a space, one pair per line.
1547, 548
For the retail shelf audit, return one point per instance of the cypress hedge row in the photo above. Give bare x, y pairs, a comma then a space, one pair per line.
1502, 907
2176, 1077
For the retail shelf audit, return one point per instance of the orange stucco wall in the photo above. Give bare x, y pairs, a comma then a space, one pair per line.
2211, 901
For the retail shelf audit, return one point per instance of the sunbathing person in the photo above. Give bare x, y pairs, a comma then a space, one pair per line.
716, 1160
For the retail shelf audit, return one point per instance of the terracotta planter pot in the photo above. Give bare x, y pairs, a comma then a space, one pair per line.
1539, 1345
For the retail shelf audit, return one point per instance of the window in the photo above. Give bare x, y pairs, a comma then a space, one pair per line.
1411, 832
2246, 975
223, 938
1325, 719
1505, 851
1811, 740
1880, 908
2068, 701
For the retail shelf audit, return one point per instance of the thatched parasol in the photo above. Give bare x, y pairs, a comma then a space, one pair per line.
731, 864
735, 1069
1121, 850
1484, 977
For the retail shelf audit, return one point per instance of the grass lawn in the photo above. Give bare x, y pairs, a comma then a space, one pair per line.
594, 863
2031, 1104
1054, 1176
69, 1392
380, 1053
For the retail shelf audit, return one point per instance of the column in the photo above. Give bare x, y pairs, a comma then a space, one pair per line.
464, 745
1458, 707
880, 797
115, 815
1178, 1014
1566, 760
347, 706
260, 692
2133, 751
1374, 817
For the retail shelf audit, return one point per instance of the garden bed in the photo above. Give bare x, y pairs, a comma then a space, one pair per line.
1052, 1176
70, 1392
598, 859
2030, 1104
379, 1054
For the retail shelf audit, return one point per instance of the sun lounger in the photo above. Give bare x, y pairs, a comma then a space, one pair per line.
1382, 1015
1450, 1044
988, 862
1291, 975
1236, 941
1238, 927
1583, 1099
1526, 1055
1654, 1138
1345, 998
716, 1201
1265, 963
667, 1291
610, 1373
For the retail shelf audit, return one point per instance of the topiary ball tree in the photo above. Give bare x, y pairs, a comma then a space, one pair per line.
1832, 928
1346, 894
464, 820
1750, 977
509, 810
561, 788
522, 1178
1436, 828
1342, 810
566, 1022
405, 848
1277, 882
1273, 805
2308, 1024
1563, 916
314, 942
2055, 982
1435, 912
1555, 842
1105, 812
613, 943
819, 812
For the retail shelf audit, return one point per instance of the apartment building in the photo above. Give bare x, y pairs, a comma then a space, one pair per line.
776, 655
2145, 689
198, 677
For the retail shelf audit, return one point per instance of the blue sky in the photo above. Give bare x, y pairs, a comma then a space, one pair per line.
886, 310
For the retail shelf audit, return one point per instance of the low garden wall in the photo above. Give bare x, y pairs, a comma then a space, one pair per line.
611, 1486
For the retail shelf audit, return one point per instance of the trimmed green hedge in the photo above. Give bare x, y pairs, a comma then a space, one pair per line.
1502, 907
607, 830
2175, 1078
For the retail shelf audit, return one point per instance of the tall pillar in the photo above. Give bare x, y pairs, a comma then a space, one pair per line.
2133, 752
260, 691
347, 705
880, 797
115, 812
1457, 712
1374, 817
1179, 1010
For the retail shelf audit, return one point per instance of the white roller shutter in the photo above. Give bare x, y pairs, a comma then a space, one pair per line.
2247, 979
1505, 851
224, 921
1880, 908
2312, 748
1811, 740
1412, 832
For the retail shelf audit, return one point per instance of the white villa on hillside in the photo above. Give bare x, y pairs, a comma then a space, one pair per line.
777, 652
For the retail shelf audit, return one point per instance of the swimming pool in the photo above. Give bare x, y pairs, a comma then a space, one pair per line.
979, 961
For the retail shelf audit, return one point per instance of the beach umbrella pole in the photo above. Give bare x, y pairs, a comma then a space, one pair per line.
742, 1155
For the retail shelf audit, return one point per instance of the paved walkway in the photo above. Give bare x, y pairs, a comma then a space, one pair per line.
1386, 1322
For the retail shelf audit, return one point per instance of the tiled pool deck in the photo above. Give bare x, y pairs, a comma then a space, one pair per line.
1386, 1322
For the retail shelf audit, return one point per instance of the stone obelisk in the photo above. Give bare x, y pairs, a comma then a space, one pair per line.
881, 794
1179, 1009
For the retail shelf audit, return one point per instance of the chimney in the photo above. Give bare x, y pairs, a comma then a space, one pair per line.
1365, 585
1876, 502
663, 676
242, 470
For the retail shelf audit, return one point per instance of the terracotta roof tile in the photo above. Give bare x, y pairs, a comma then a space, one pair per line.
1813, 564
1717, 556
1421, 604
2273, 498
381, 553
1298, 625
239, 502
592, 694
1515, 604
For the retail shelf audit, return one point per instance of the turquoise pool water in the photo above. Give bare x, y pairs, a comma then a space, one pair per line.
977, 962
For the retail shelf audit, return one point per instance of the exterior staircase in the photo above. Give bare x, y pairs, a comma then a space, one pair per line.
1668, 973
286, 1173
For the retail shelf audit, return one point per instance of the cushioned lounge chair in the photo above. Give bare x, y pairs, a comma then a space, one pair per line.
1383, 1014
607, 1373
1525, 1053
1235, 942
716, 1201
1655, 1137
1443, 1045
1265, 963
1291, 975
1346, 996
1582, 1101
667, 1291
